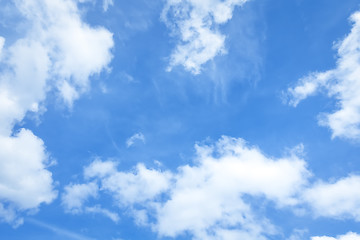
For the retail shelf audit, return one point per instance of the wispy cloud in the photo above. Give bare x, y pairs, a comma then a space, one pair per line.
59, 231
136, 137
99, 210
107, 4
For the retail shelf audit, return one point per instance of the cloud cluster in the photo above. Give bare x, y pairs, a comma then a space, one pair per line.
56, 50
207, 200
342, 83
218, 196
196, 25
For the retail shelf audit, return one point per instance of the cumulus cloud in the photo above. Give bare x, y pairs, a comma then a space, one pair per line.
138, 186
341, 83
25, 182
196, 25
340, 199
136, 137
225, 172
348, 236
207, 199
68, 52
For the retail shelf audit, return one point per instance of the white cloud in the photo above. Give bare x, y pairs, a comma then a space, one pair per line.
9, 215
348, 236
223, 174
25, 182
24, 83
76, 49
99, 210
138, 186
75, 197
196, 24
67, 53
100, 169
206, 200
76, 194
342, 83
136, 137
340, 199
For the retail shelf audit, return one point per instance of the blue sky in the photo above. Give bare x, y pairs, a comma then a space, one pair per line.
180, 119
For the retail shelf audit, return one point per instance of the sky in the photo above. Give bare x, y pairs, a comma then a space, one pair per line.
180, 119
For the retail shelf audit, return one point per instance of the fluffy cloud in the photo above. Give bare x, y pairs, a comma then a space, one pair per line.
76, 50
340, 199
348, 236
76, 194
342, 83
68, 51
136, 187
24, 183
225, 172
206, 200
196, 24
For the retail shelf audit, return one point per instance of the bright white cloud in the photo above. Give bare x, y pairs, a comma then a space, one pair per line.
224, 173
136, 137
68, 52
348, 236
23, 85
206, 200
77, 50
196, 24
24, 183
340, 199
342, 83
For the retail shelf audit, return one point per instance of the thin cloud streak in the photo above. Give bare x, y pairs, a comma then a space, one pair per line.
57, 230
